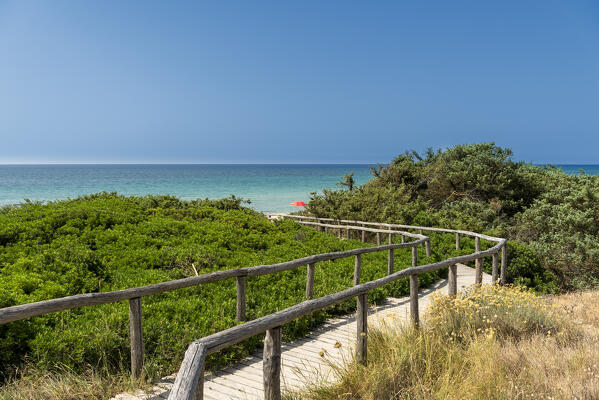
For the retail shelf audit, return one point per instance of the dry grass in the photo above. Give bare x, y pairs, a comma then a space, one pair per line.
32, 383
491, 343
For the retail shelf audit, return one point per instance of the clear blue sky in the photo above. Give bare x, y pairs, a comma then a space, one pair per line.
303, 81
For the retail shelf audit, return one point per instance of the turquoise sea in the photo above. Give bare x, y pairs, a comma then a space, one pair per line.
589, 169
269, 187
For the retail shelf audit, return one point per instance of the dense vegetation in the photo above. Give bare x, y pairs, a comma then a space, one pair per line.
551, 217
106, 242
492, 342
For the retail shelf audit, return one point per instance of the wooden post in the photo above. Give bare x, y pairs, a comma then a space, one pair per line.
390, 238
414, 299
503, 278
478, 262
310, 281
271, 364
357, 268
378, 238
428, 248
362, 333
414, 256
189, 383
326, 229
240, 298
452, 284
457, 241
403, 239
347, 233
390, 262
494, 273
363, 236
136, 337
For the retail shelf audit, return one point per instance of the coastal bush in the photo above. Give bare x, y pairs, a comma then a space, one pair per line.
506, 312
478, 187
105, 242
562, 226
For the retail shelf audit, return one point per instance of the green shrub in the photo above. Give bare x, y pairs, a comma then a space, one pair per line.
479, 188
525, 269
107, 242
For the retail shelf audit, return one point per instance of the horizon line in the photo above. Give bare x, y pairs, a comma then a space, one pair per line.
190, 163
248, 163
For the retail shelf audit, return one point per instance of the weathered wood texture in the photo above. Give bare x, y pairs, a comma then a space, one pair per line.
503, 278
390, 261
272, 364
457, 241
15, 313
357, 269
362, 328
494, 268
310, 281
478, 262
136, 337
414, 299
241, 298
452, 281
414, 257
189, 382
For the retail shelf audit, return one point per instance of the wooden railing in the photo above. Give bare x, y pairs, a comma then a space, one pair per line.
189, 381
188, 384
458, 234
134, 295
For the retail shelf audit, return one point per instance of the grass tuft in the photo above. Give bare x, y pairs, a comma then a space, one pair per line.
65, 384
490, 342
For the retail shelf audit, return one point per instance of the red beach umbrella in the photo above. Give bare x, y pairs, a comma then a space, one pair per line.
298, 204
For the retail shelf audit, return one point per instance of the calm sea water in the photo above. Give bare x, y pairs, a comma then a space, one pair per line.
576, 168
269, 187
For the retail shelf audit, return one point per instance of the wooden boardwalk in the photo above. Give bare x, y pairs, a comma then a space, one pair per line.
307, 358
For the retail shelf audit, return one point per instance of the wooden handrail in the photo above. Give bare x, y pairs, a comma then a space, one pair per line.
273, 322
220, 340
22, 311
398, 226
